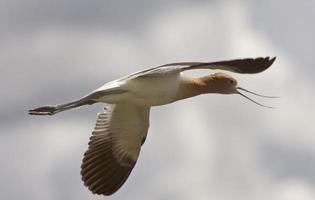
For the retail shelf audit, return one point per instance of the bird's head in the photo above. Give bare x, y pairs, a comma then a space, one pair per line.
225, 84
219, 83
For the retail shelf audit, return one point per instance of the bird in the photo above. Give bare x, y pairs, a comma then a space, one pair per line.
122, 126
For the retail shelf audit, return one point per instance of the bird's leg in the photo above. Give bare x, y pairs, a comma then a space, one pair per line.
51, 110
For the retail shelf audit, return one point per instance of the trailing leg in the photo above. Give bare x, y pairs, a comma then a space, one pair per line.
51, 110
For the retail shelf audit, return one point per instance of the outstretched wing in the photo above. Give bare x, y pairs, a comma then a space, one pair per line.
243, 66
114, 147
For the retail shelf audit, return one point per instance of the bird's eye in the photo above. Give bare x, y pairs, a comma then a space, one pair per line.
231, 81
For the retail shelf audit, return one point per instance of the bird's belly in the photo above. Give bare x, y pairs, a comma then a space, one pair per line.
153, 91
151, 99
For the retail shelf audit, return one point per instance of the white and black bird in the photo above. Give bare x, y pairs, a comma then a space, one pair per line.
121, 128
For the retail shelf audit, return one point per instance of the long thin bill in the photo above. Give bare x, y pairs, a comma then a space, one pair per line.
239, 88
254, 101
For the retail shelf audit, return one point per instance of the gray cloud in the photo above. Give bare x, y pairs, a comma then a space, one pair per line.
212, 146
283, 162
20, 16
289, 26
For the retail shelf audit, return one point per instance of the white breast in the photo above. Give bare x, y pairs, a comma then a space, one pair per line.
143, 91
153, 90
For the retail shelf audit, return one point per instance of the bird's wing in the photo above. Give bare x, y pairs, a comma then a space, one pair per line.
243, 66
114, 147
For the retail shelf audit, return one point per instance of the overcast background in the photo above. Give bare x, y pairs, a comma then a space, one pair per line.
209, 147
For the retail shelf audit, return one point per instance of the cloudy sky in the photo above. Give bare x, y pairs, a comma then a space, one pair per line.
209, 147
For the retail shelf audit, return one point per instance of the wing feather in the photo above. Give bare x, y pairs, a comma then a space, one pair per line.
243, 66
114, 147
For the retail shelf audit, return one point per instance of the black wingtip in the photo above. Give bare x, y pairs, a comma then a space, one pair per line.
260, 64
269, 62
272, 60
247, 65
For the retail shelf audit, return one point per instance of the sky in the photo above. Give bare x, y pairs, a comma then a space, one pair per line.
208, 147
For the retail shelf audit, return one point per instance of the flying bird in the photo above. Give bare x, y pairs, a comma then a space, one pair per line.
121, 128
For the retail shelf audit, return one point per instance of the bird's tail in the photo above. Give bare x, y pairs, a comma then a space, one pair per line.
51, 110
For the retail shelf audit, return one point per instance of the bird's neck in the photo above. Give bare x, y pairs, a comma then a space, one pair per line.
190, 87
